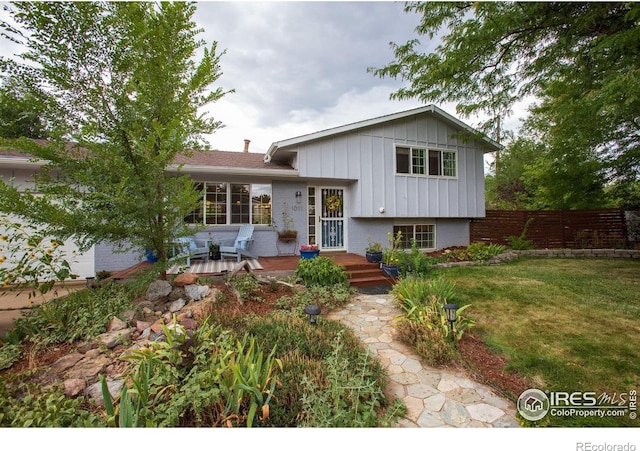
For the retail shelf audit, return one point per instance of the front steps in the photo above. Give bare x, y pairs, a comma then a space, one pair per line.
363, 275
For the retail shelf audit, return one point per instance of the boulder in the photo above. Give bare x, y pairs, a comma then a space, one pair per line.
95, 391
157, 290
176, 306
114, 338
116, 324
185, 279
197, 292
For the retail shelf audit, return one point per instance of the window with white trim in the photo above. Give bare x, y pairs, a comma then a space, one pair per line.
442, 163
424, 234
232, 203
420, 161
411, 160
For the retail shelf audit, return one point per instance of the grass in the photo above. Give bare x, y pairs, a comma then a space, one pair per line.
563, 324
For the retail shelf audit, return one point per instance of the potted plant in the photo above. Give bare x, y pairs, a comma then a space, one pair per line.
391, 255
373, 252
309, 251
214, 251
287, 233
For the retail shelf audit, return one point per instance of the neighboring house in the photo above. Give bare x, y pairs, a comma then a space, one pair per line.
419, 171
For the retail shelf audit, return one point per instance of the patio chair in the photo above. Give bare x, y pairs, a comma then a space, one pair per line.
240, 246
187, 247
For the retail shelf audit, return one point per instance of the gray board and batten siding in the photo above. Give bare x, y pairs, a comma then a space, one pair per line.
363, 158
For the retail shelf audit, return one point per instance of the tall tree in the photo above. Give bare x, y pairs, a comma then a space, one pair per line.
21, 115
123, 84
580, 58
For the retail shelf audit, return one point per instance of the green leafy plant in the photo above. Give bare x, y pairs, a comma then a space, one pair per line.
353, 398
520, 243
9, 354
321, 271
391, 255
481, 252
422, 301
373, 247
31, 260
77, 316
246, 285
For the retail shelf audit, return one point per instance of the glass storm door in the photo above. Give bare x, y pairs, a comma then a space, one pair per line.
331, 219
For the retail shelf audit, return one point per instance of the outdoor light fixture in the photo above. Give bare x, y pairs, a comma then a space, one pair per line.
451, 310
298, 196
313, 311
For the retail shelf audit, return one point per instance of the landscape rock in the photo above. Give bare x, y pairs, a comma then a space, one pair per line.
176, 294
73, 387
88, 368
177, 305
197, 292
142, 325
116, 324
66, 362
158, 289
94, 391
185, 279
114, 338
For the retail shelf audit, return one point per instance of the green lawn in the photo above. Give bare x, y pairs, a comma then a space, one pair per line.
564, 324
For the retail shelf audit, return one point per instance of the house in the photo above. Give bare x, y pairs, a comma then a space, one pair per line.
419, 171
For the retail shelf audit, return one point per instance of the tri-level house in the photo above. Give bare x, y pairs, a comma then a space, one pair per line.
419, 171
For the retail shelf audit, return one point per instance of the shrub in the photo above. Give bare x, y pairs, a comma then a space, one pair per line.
520, 243
351, 397
429, 332
482, 252
321, 271
79, 316
327, 298
415, 263
25, 406
246, 285
9, 354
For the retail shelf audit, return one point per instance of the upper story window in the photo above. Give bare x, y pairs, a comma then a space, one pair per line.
232, 203
420, 161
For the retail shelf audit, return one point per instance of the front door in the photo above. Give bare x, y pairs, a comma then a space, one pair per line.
331, 225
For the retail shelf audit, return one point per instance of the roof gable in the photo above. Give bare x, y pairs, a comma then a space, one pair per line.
281, 145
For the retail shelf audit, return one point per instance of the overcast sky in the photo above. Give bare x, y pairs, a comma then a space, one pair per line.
301, 67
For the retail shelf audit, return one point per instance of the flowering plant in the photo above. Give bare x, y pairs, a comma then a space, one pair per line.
392, 253
309, 247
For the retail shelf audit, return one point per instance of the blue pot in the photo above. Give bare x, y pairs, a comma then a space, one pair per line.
151, 256
309, 254
390, 270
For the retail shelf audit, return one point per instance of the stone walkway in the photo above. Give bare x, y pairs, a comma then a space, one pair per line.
434, 397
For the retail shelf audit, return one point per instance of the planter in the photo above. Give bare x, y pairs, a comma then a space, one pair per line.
151, 256
390, 270
309, 254
374, 257
288, 235
215, 255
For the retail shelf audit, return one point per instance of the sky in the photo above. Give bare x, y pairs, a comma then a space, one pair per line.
301, 67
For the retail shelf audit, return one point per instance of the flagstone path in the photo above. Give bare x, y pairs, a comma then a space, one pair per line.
434, 397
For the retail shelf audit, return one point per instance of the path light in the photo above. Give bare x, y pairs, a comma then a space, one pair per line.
451, 311
313, 311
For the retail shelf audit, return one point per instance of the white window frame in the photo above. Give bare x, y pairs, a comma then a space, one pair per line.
427, 166
229, 214
413, 234
441, 168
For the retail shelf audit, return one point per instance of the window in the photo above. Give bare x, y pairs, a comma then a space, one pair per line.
232, 203
442, 163
418, 161
411, 160
424, 234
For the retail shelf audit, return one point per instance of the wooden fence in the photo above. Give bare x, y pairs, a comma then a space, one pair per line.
573, 229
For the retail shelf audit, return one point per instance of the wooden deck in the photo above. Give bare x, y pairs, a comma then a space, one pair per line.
361, 273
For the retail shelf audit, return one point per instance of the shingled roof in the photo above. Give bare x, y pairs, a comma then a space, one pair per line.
202, 159
219, 158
